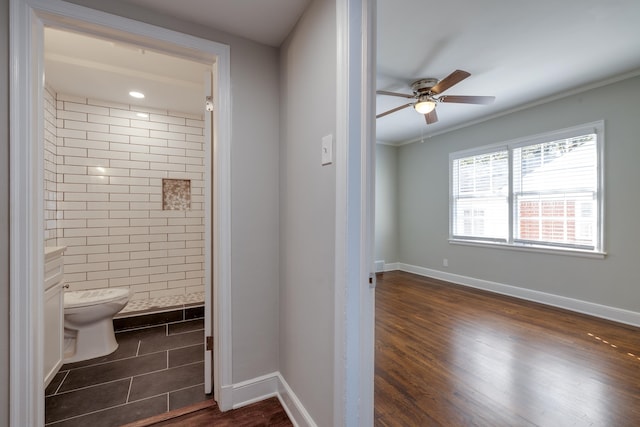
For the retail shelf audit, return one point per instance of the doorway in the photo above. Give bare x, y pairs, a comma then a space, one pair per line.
27, 188
124, 194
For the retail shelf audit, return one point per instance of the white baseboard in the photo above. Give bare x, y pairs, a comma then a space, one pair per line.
605, 312
264, 387
260, 388
292, 405
254, 390
392, 266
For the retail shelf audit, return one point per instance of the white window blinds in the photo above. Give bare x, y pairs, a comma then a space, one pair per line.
541, 191
480, 196
555, 192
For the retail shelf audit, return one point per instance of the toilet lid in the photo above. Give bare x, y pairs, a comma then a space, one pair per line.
93, 296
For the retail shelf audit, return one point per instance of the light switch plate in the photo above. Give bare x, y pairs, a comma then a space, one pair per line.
327, 150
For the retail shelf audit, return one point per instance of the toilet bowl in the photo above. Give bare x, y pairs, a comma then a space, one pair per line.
88, 322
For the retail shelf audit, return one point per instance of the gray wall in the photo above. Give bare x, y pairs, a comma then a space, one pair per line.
254, 189
386, 227
4, 213
307, 210
423, 207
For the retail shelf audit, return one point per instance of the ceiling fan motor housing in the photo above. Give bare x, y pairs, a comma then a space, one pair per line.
422, 86
425, 93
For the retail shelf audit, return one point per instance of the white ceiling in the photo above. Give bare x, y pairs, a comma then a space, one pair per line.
268, 22
93, 68
520, 51
85, 66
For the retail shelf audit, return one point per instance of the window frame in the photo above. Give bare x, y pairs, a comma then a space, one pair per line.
597, 128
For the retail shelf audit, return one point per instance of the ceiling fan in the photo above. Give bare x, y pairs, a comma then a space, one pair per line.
425, 91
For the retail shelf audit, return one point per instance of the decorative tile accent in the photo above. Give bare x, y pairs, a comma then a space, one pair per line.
176, 194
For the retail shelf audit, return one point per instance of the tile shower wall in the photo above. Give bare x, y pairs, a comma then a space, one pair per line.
50, 162
110, 166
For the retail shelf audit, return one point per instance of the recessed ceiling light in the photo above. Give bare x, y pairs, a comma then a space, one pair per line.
135, 94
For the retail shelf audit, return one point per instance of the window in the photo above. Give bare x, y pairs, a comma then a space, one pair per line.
481, 185
538, 192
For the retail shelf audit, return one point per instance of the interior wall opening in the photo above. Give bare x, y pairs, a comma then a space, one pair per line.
124, 192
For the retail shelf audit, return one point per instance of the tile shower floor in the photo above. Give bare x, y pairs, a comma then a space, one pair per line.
167, 302
155, 369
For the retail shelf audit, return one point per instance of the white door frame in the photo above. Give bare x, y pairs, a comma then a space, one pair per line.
355, 190
27, 19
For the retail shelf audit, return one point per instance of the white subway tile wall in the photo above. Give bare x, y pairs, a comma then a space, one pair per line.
104, 167
50, 172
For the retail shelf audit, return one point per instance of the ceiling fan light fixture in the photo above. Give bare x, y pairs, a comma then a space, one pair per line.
424, 106
428, 92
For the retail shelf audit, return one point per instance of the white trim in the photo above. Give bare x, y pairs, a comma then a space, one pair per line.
546, 100
293, 407
340, 263
255, 390
84, 19
523, 248
26, 213
366, 361
208, 260
260, 388
222, 347
605, 312
386, 143
510, 146
26, 259
596, 127
355, 148
391, 266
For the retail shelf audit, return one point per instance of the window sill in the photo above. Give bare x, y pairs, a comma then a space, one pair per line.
537, 249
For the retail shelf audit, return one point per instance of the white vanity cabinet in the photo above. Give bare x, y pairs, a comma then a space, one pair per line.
53, 311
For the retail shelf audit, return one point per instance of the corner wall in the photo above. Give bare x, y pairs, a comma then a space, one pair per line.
424, 204
254, 189
308, 62
386, 227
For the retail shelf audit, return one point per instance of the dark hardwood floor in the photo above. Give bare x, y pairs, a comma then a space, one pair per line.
448, 355
268, 412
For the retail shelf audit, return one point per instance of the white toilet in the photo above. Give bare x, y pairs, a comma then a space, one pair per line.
88, 322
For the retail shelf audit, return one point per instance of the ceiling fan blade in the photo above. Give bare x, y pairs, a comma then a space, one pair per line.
452, 79
393, 110
431, 117
483, 100
385, 92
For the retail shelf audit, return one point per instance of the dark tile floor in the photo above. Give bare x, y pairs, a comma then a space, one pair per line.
154, 370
